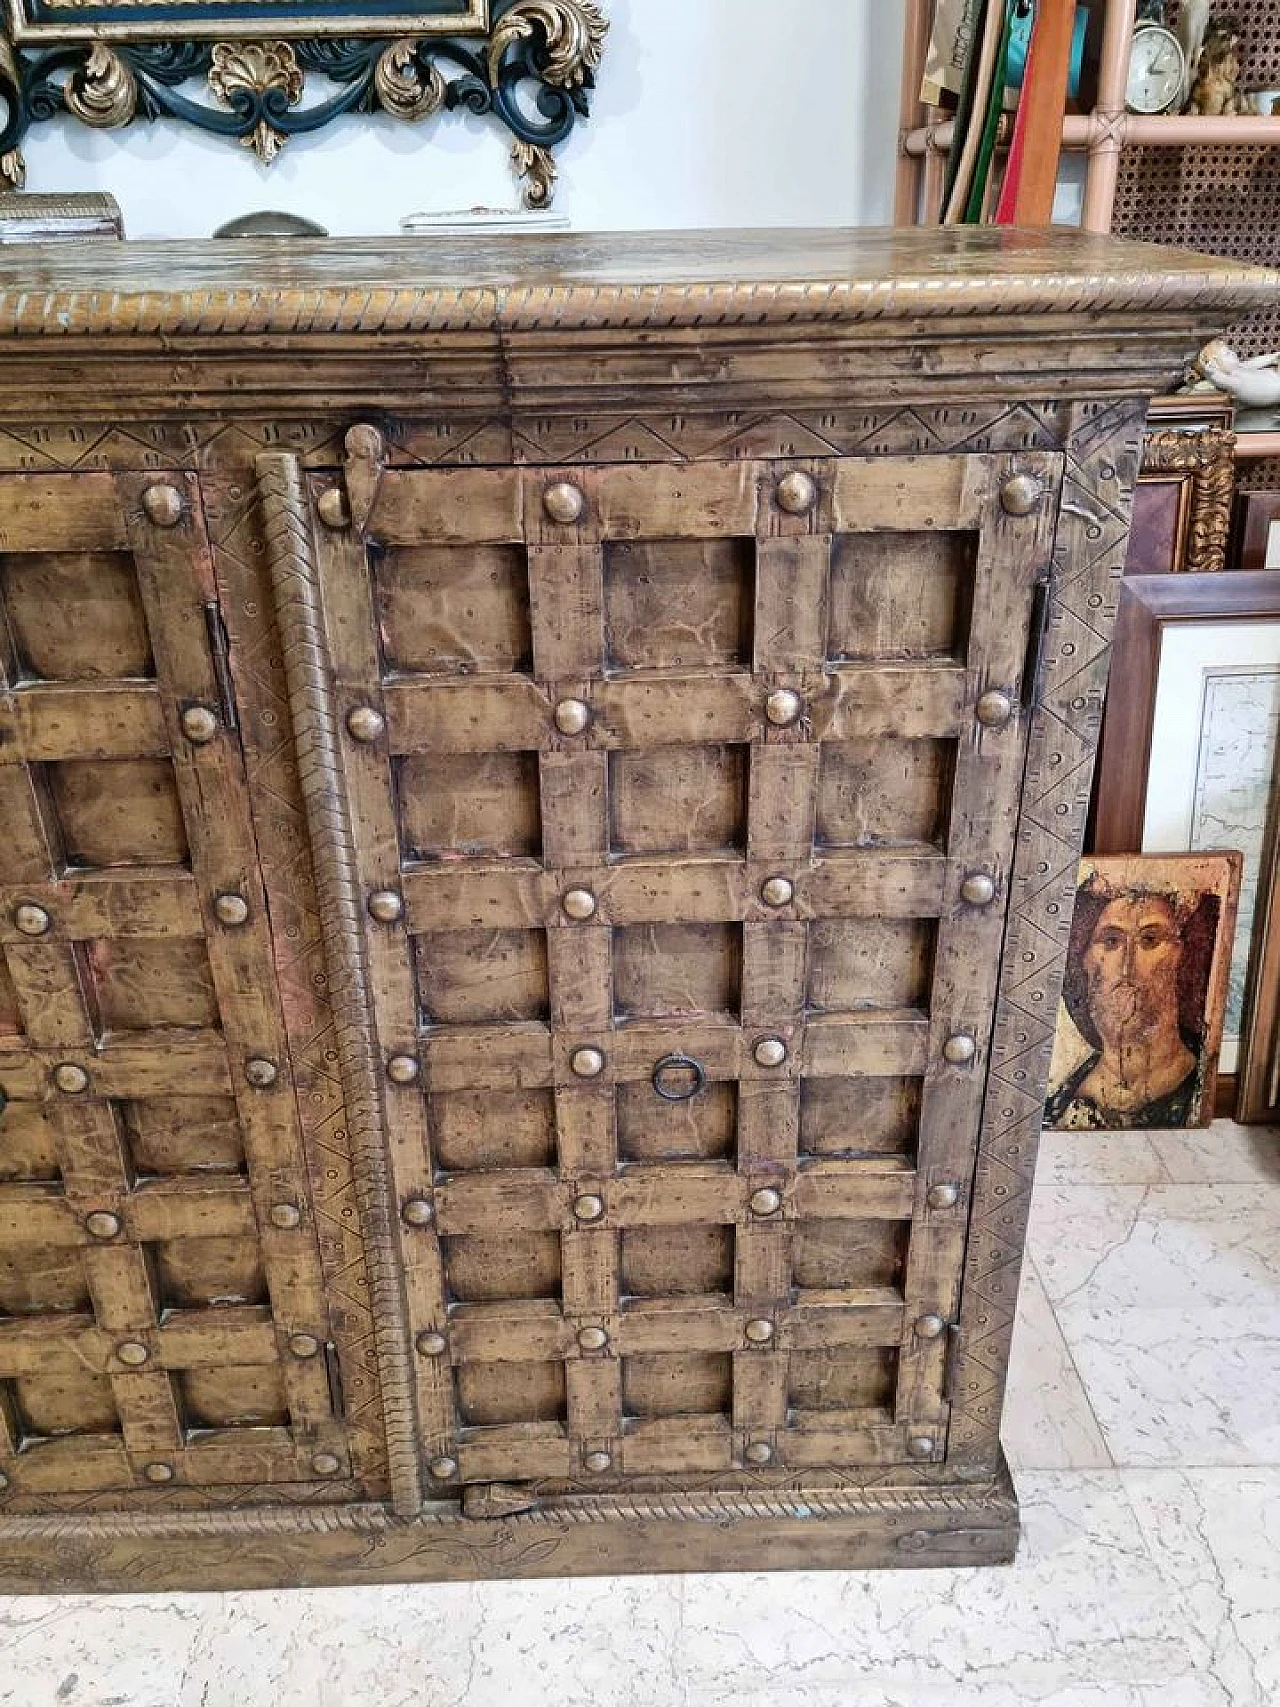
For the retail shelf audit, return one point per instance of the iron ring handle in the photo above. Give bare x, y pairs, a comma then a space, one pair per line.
685, 1063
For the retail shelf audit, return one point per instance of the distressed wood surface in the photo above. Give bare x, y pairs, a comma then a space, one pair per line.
682, 800
682, 1374
157, 1348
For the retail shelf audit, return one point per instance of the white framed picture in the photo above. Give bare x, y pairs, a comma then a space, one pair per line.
1215, 733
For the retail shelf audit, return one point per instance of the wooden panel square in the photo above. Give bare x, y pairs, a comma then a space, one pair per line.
859, 964
64, 1401
678, 800
885, 793
674, 971
482, 977
650, 1129
675, 1385
450, 610
40, 1281
184, 1135
860, 1117
141, 982
513, 1265
493, 1394
494, 1129
75, 616
843, 1379
679, 603
676, 1262
10, 1015
844, 1255
117, 812
901, 595
192, 1273
28, 1147
247, 1397
469, 803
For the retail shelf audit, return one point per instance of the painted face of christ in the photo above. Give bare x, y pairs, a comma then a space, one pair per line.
1131, 971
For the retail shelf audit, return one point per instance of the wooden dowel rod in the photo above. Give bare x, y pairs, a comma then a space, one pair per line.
1251, 446
915, 47
1079, 130
1106, 141
935, 178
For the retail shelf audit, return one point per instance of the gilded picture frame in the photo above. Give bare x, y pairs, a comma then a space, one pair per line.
1186, 486
260, 72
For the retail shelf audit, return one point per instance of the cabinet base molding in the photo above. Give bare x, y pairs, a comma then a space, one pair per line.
575, 1535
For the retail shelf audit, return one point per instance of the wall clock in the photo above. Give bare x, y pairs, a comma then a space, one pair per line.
1157, 70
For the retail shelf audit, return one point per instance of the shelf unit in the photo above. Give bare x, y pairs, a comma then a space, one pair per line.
1122, 191
1102, 134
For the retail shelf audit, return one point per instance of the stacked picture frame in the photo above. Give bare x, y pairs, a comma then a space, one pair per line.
1190, 746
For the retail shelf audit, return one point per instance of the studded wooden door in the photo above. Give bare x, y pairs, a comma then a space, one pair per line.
682, 802
162, 1316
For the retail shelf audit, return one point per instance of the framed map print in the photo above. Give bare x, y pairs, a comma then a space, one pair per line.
1218, 704
1190, 752
262, 71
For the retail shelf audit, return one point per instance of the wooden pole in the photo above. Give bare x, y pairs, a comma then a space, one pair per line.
1109, 116
915, 47
1083, 130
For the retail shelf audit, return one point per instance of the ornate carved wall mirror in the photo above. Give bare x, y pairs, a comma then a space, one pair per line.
261, 71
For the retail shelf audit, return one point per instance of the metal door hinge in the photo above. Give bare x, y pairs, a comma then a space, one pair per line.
220, 652
954, 1347
1041, 607
488, 1502
332, 1369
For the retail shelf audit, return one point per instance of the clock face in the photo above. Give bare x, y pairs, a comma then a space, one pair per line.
1157, 66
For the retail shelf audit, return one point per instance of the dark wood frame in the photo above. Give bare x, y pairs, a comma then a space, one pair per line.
1150, 604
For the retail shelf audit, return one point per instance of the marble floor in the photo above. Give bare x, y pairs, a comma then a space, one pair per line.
1144, 1428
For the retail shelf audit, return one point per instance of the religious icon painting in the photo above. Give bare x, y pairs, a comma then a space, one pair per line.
1143, 1000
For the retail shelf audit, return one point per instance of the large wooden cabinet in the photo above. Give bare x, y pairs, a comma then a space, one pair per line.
542, 786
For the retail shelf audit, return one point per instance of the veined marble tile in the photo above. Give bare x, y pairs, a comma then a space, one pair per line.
1098, 1158
1048, 1424
1225, 1153
86, 1651
1157, 1247
594, 1642
601, 1642
869, 1693
384, 1647
1216, 1537
1048, 1630
1171, 1386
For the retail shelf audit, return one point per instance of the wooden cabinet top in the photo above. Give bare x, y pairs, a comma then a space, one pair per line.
636, 279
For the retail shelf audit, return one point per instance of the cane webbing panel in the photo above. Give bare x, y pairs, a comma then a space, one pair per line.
156, 1254
1224, 200
610, 1287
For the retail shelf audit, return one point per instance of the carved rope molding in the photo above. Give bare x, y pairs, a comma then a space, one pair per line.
563, 1512
1209, 457
534, 71
291, 557
110, 304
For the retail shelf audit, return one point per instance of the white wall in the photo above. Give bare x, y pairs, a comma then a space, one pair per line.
709, 112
